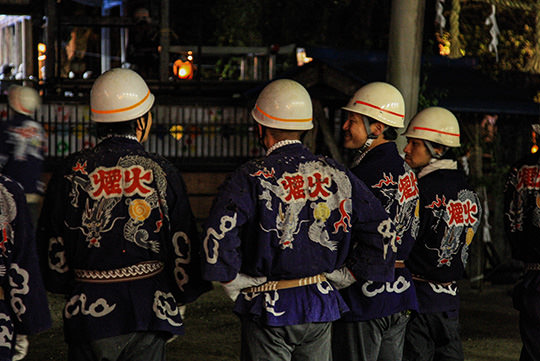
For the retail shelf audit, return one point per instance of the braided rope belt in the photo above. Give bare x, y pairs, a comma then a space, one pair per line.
283, 284
422, 279
532, 266
399, 264
129, 273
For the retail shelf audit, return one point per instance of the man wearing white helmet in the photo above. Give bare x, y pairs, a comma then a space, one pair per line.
522, 226
449, 217
374, 329
282, 227
117, 235
22, 141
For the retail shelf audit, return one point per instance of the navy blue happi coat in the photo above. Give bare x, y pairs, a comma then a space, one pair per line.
395, 185
450, 214
291, 215
118, 237
23, 304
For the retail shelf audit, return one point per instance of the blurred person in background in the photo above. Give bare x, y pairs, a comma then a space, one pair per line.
143, 45
522, 226
22, 143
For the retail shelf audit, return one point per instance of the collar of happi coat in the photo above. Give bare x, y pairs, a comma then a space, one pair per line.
282, 143
436, 165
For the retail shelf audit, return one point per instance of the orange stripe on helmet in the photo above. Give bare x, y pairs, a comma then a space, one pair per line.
381, 109
282, 119
122, 109
20, 106
436, 131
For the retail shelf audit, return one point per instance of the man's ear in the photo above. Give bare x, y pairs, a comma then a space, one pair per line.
378, 128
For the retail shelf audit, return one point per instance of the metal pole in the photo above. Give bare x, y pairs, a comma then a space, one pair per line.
105, 44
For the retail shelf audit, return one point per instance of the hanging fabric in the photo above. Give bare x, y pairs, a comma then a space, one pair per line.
439, 16
494, 32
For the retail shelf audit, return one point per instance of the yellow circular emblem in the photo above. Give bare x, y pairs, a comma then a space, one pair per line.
469, 237
321, 212
139, 209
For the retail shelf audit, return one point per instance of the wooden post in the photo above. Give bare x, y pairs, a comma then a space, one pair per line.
405, 54
323, 125
477, 258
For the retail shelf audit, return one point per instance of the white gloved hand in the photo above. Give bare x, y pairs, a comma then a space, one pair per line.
341, 278
21, 347
182, 309
233, 288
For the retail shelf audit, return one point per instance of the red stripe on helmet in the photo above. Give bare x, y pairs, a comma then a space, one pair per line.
436, 131
381, 109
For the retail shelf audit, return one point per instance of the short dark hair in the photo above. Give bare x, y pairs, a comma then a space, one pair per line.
282, 134
118, 128
128, 127
389, 133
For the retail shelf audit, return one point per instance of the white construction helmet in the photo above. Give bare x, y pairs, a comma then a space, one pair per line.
435, 124
23, 99
380, 101
284, 104
119, 95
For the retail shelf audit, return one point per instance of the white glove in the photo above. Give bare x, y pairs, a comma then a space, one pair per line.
341, 278
233, 288
21, 347
182, 309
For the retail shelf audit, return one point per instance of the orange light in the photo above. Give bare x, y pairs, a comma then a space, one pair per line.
177, 131
183, 69
42, 56
534, 149
42, 48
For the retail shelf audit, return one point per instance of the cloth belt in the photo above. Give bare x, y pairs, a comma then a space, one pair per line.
422, 279
283, 284
399, 264
33, 197
129, 273
532, 266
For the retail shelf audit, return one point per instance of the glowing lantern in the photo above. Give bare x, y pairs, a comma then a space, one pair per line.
42, 55
301, 57
534, 148
177, 131
183, 69
42, 48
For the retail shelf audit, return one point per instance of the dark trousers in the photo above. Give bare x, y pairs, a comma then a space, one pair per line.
433, 337
136, 346
380, 339
306, 342
526, 299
